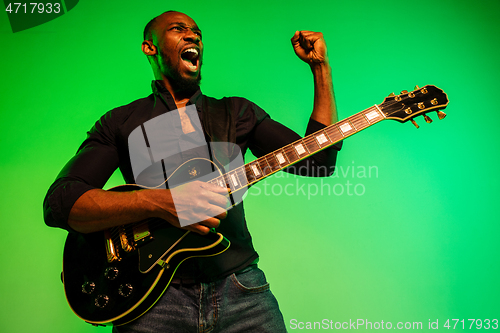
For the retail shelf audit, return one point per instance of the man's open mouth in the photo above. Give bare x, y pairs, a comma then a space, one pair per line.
191, 58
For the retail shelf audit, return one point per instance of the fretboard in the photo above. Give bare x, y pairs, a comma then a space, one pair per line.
294, 152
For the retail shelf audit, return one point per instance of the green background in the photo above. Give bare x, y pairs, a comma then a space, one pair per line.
420, 243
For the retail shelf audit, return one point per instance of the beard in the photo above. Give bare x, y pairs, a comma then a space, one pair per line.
187, 85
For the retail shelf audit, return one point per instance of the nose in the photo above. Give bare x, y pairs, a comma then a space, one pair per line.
191, 36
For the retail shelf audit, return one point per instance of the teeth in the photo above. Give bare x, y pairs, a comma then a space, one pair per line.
195, 51
191, 59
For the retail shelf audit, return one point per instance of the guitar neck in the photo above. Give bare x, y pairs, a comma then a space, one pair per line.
277, 160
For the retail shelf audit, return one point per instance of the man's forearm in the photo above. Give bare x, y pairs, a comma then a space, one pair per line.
310, 47
98, 210
200, 204
324, 109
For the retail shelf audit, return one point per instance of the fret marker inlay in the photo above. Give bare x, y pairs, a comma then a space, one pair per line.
300, 149
280, 158
372, 115
345, 127
255, 170
233, 178
321, 139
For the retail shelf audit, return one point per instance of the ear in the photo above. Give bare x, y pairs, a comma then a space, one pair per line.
148, 48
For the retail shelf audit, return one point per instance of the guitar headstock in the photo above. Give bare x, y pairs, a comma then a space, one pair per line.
408, 105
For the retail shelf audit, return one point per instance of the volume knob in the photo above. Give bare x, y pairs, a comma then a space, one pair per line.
101, 301
88, 287
111, 273
125, 290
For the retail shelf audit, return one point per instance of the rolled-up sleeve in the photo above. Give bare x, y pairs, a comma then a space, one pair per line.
95, 161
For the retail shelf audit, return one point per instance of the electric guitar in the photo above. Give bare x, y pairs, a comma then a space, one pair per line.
115, 276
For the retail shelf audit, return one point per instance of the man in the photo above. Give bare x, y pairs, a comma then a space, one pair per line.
227, 292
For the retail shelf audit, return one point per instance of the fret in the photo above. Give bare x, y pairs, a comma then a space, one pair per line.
311, 144
365, 117
235, 183
346, 127
322, 139
249, 174
242, 175
272, 162
225, 180
300, 149
219, 181
383, 115
264, 166
373, 115
214, 181
255, 167
290, 153
360, 122
334, 133
281, 157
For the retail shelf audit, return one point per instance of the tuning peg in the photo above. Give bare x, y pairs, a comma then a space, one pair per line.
392, 94
414, 123
441, 115
404, 91
416, 87
428, 119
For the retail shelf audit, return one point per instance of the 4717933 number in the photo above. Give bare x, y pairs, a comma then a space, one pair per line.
474, 323
33, 8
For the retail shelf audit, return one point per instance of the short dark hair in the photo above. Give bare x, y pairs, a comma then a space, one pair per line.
148, 30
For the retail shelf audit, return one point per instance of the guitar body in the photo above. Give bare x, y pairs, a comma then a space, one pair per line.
115, 276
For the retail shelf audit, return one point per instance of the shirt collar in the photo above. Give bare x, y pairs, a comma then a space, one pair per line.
160, 90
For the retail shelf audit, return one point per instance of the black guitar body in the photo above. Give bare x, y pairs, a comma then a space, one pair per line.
100, 292
115, 276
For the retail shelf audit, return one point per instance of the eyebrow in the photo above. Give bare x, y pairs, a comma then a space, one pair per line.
195, 27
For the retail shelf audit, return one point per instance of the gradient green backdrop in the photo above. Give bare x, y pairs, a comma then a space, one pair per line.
421, 242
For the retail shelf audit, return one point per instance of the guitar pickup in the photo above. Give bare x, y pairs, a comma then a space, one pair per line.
126, 246
142, 234
111, 250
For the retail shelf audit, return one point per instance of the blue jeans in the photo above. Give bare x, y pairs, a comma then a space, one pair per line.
241, 302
